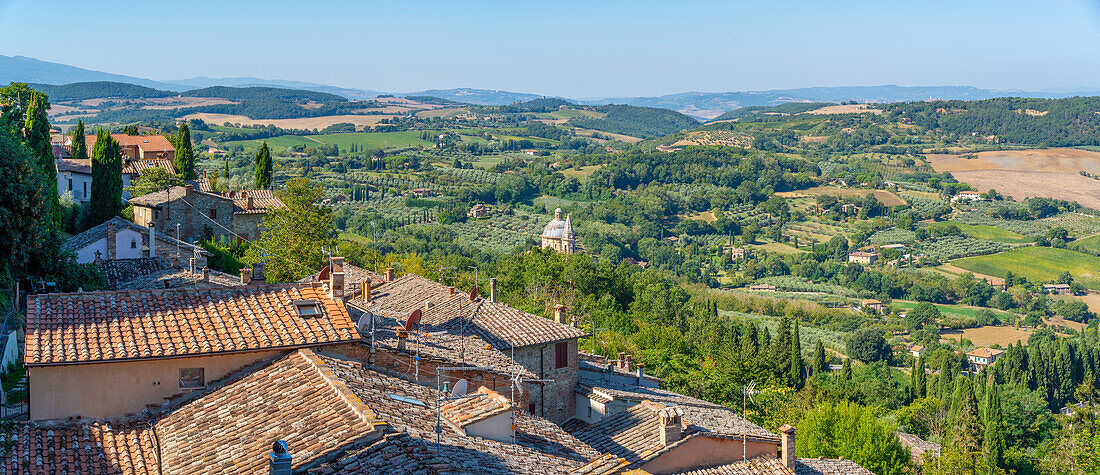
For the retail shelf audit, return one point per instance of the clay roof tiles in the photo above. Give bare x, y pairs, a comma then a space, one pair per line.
477, 407
122, 325
97, 448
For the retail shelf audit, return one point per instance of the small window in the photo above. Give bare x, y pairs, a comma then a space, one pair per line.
531, 408
213, 213
70, 184
191, 378
307, 308
133, 244
561, 354
590, 411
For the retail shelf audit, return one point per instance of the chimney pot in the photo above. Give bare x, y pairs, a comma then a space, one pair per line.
206, 273
152, 240
336, 277
111, 244
258, 274
366, 290
246, 276
187, 189
628, 364
559, 314
450, 290
671, 431
204, 174
622, 359
279, 462
389, 274
493, 289
789, 459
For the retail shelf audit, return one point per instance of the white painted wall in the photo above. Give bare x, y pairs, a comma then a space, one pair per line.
86, 254
590, 416
81, 185
498, 428
127, 244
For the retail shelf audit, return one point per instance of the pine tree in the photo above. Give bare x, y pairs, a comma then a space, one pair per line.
263, 167
820, 363
796, 357
993, 445
36, 134
106, 196
185, 155
79, 149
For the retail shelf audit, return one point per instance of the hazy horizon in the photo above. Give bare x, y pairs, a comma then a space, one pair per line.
573, 49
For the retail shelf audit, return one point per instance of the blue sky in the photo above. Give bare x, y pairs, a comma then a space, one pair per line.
574, 49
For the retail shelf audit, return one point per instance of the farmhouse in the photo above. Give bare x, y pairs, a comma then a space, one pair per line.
983, 357
137, 147
873, 304
763, 287
1056, 289
479, 210
738, 253
863, 257
917, 351
121, 239
967, 196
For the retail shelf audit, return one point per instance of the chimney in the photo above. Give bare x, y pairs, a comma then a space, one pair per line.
206, 273
204, 174
191, 266
641, 374
621, 361
280, 460
670, 425
366, 290
111, 244
187, 189
389, 274
335, 276
246, 276
200, 258
788, 446
250, 203
450, 291
258, 274
559, 314
152, 240
493, 289
628, 363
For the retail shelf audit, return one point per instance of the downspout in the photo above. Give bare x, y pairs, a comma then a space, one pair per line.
542, 384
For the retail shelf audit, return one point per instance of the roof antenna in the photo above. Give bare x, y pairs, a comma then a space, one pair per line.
746, 397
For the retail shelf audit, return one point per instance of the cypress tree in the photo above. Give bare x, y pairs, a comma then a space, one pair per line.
36, 134
820, 364
78, 150
921, 385
947, 379
263, 167
993, 445
185, 156
106, 196
21, 200
964, 429
846, 370
796, 357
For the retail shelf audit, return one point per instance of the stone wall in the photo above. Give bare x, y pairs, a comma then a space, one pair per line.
192, 212
555, 399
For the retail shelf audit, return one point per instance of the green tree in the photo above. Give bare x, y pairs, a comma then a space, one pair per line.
820, 364
796, 357
153, 179
868, 345
79, 149
22, 197
36, 134
846, 370
993, 443
962, 451
263, 168
923, 314
292, 236
851, 431
185, 155
106, 195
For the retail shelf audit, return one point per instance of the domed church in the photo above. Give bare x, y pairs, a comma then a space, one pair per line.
558, 235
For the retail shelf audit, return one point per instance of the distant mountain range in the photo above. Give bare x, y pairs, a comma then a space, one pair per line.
704, 105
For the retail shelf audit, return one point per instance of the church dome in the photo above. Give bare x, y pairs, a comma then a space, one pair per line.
556, 227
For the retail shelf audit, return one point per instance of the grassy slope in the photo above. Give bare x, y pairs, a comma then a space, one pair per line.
992, 233
1091, 243
1037, 263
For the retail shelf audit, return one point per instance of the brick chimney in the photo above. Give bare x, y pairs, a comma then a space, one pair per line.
389, 274
366, 290
279, 460
559, 314
246, 276
335, 277
206, 274
621, 361
670, 425
788, 457
628, 363
258, 274
493, 289
111, 244
204, 174
250, 204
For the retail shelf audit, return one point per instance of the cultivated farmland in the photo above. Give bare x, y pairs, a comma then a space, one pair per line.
1037, 263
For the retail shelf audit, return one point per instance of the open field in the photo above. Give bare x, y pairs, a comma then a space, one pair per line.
846, 109
963, 310
344, 141
885, 197
992, 233
619, 137
446, 113
990, 335
301, 123
714, 137
583, 173
1037, 263
1092, 299
776, 247
1091, 243
1052, 173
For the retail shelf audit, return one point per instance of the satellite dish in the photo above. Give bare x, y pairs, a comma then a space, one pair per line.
365, 322
473, 294
413, 321
460, 388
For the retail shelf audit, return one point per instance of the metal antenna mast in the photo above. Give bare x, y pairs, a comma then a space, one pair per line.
746, 396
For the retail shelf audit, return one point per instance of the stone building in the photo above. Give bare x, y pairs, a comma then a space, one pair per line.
558, 235
232, 215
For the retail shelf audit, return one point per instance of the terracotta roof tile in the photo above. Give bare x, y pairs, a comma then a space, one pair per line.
479, 406
498, 324
135, 167
97, 448
178, 322
230, 430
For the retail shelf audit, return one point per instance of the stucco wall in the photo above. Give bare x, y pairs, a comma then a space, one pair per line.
498, 428
702, 451
598, 411
110, 390
81, 185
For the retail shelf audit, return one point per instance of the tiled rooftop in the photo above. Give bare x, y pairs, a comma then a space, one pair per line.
97, 448
479, 406
135, 167
177, 278
119, 271
498, 324
541, 446
262, 201
772, 466
96, 233
119, 325
633, 434
918, 446
231, 429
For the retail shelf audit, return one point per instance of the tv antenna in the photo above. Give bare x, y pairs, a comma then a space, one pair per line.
746, 397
